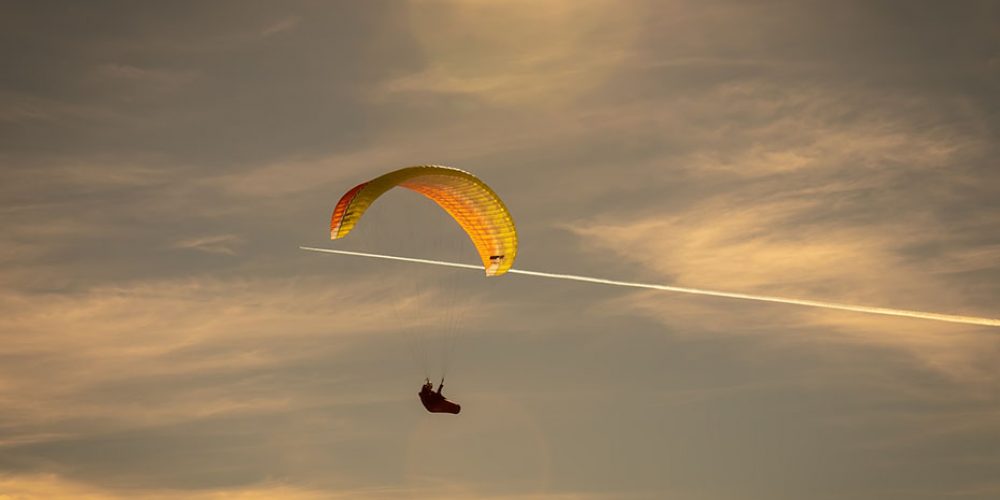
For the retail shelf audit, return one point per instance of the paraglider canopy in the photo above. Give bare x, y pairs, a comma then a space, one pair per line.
473, 205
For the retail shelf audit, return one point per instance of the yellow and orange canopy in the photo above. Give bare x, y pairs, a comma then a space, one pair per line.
473, 205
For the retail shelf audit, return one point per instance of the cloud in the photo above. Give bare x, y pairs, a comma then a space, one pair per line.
23, 109
219, 244
286, 24
44, 486
515, 52
156, 331
292, 176
150, 78
55, 487
801, 202
762, 247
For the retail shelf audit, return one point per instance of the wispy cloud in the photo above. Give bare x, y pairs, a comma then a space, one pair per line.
516, 52
25, 108
762, 248
157, 78
162, 330
220, 244
41, 486
51, 486
286, 24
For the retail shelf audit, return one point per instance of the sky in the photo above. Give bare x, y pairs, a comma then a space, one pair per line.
162, 336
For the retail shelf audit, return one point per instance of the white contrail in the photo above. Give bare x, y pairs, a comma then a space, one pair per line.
969, 320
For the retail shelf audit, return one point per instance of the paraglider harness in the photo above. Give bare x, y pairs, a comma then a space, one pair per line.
434, 401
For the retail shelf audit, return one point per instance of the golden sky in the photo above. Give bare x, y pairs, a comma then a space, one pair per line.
163, 337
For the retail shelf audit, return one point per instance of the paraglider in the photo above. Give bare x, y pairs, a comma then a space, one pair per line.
469, 201
434, 401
